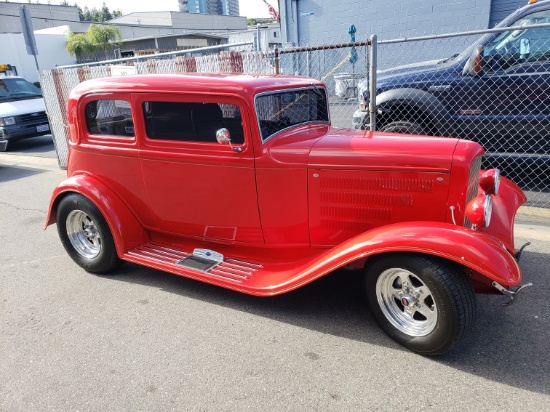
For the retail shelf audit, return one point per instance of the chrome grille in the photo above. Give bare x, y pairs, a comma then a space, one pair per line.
473, 185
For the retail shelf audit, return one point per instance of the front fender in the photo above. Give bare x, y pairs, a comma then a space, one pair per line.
126, 229
424, 101
482, 253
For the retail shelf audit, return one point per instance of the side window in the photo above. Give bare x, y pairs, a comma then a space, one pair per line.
520, 46
110, 117
195, 122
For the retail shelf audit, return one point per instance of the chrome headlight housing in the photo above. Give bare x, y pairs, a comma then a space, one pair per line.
479, 211
490, 181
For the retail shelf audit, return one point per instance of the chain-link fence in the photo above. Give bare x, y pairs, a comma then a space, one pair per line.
488, 86
57, 84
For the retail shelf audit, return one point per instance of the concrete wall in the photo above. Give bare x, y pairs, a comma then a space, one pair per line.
43, 17
187, 21
317, 22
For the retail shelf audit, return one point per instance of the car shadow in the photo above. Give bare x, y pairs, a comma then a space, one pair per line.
39, 144
507, 344
8, 173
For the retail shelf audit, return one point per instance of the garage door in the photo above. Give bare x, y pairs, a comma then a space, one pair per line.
502, 8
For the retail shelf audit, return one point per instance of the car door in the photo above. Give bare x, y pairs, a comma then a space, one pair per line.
507, 107
196, 186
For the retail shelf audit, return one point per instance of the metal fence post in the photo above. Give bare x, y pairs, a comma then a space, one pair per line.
372, 81
276, 60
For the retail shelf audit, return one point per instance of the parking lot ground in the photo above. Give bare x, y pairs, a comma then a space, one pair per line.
145, 340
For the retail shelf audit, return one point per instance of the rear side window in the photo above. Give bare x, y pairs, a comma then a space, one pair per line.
195, 122
110, 117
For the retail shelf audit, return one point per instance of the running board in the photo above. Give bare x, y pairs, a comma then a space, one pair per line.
172, 260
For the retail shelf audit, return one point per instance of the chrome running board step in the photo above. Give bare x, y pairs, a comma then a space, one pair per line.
167, 258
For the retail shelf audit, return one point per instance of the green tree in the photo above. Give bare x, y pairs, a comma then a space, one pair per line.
97, 16
96, 38
79, 45
104, 36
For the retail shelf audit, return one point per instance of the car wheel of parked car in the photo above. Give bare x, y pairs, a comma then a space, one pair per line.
86, 235
404, 127
424, 303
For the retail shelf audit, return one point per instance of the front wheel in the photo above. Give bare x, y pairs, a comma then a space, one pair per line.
424, 303
404, 127
86, 235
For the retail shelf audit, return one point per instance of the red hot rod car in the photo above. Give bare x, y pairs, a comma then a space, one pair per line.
240, 181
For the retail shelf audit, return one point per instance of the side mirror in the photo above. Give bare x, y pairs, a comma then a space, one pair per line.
524, 47
224, 137
474, 65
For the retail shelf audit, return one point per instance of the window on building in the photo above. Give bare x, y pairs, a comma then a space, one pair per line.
110, 117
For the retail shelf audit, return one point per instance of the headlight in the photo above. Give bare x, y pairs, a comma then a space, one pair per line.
490, 181
479, 211
7, 121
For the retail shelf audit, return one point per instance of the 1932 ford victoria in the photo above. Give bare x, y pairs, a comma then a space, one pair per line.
240, 181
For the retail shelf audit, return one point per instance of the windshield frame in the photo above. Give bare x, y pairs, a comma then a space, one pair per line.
307, 88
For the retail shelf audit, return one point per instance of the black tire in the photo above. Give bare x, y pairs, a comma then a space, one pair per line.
424, 303
404, 127
86, 235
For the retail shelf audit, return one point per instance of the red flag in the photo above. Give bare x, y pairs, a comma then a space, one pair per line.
272, 12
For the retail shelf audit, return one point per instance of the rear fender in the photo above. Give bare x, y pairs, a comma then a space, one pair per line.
483, 254
126, 229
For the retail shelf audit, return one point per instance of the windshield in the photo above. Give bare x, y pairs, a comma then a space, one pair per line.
277, 111
17, 89
504, 23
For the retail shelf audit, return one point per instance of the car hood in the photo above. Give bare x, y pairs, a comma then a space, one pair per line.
420, 70
19, 107
346, 148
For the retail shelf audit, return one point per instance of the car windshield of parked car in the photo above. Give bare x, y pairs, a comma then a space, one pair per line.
280, 110
17, 89
520, 45
508, 21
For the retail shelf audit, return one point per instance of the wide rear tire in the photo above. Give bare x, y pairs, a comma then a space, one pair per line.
85, 235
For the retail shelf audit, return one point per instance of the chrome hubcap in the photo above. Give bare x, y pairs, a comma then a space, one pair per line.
406, 302
83, 234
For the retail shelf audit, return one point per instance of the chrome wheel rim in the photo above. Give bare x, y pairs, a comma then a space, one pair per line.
83, 234
406, 302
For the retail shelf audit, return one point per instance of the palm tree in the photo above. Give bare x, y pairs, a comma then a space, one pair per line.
104, 36
79, 45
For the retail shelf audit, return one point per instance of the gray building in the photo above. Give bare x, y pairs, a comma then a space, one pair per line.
44, 16
310, 22
221, 7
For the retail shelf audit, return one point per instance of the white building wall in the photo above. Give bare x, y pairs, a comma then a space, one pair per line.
51, 53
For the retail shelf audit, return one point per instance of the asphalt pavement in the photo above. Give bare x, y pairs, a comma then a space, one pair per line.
145, 340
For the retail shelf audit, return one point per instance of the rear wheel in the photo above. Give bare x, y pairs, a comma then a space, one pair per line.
404, 127
86, 235
424, 303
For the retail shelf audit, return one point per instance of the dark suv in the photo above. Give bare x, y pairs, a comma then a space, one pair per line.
496, 92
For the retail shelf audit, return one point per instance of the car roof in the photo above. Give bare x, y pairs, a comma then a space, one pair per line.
195, 82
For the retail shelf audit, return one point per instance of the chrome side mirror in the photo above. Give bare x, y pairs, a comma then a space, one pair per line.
224, 137
524, 47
